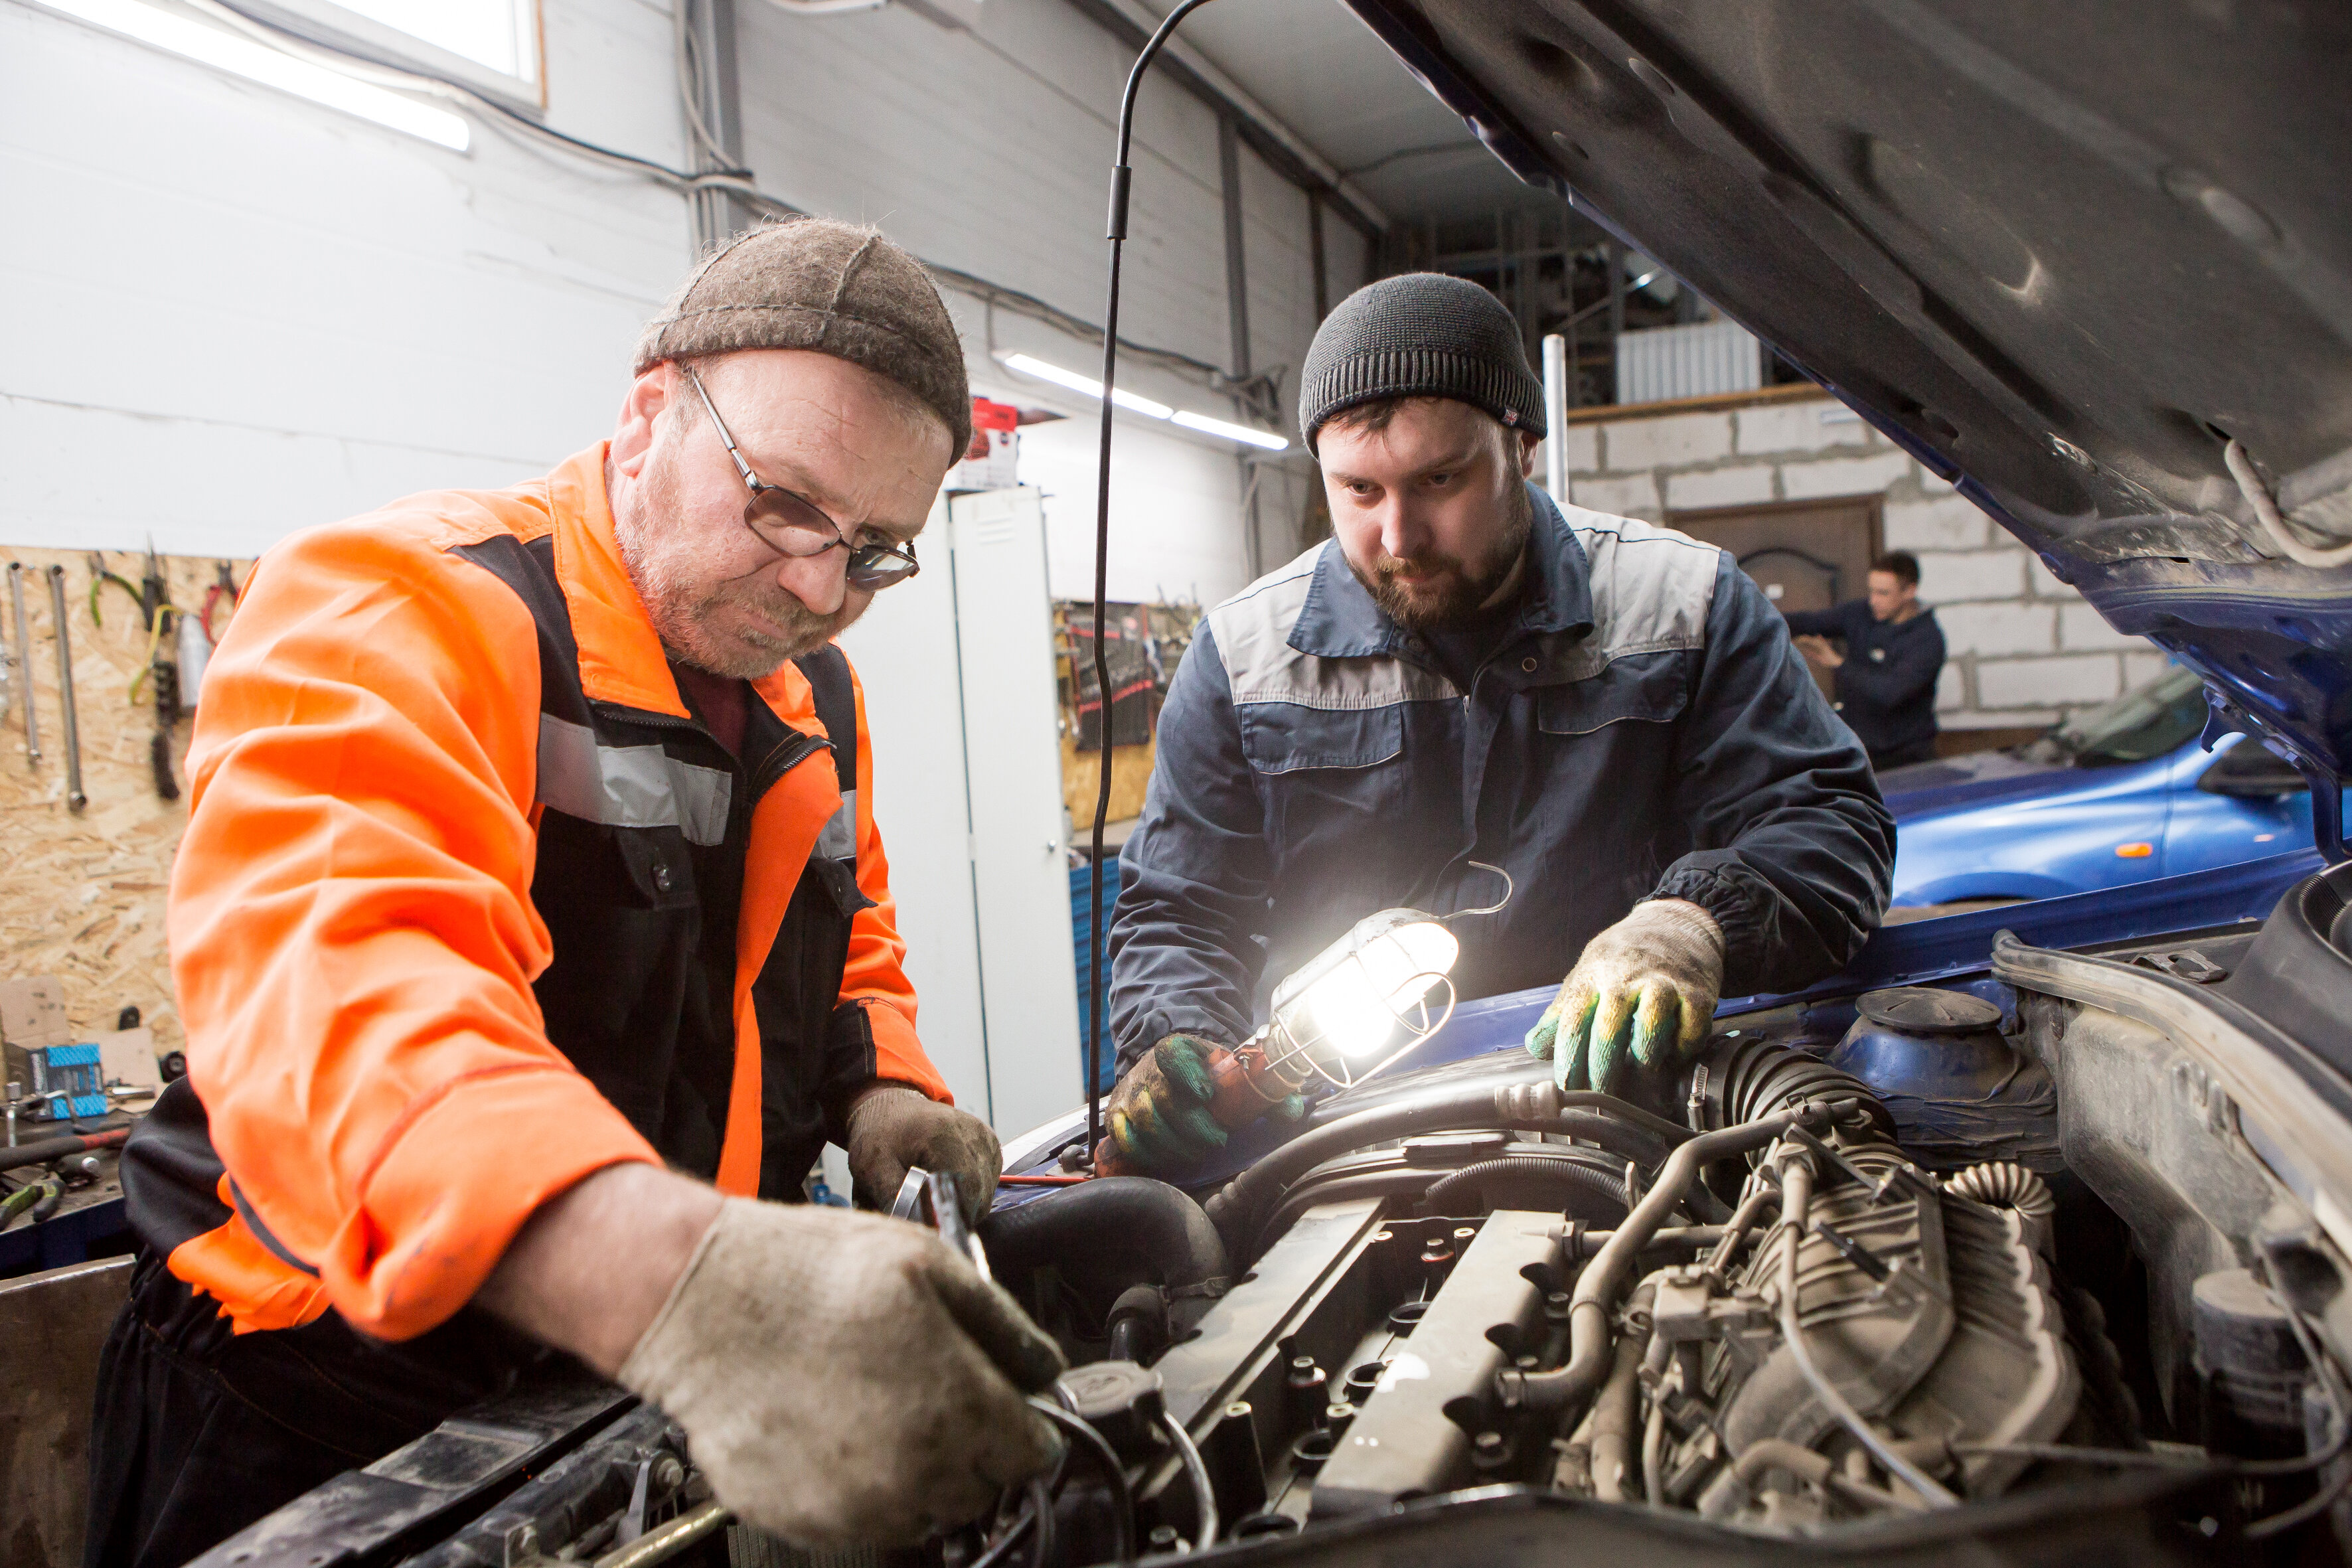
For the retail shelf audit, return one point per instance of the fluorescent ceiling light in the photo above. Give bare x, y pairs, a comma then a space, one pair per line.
256, 62
1086, 384
1271, 442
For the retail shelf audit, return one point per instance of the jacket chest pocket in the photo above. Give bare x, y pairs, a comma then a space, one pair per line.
1325, 777
1284, 738
651, 869
1644, 688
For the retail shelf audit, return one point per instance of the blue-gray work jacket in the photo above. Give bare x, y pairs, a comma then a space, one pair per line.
1645, 730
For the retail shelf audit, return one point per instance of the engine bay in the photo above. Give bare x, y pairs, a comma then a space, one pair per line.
2021, 1266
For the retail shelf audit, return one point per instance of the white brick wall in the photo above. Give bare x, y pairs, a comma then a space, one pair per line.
1999, 628
1719, 487
1628, 495
1675, 439
1974, 574
1843, 476
2073, 679
1947, 523
2024, 649
1799, 428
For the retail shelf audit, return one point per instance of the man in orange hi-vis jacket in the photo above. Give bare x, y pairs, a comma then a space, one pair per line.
531, 932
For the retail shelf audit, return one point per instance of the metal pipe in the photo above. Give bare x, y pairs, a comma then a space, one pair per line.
1780, 1453
24, 664
1613, 1413
1555, 391
75, 799
1604, 1277
665, 1542
1207, 1525
1743, 1220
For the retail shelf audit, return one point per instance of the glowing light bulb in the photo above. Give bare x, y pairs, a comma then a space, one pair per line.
1356, 995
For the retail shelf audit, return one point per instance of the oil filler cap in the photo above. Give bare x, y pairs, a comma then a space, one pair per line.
1922, 1010
1120, 1400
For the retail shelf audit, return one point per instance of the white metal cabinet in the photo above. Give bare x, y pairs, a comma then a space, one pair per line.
1020, 841
958, 669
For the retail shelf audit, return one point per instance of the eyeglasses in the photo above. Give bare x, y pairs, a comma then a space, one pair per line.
791, 525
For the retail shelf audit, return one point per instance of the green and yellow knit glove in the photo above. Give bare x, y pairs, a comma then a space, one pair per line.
1644, 988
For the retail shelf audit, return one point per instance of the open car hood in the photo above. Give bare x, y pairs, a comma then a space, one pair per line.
2058, 253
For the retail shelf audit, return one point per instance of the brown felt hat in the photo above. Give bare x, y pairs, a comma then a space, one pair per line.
838, 288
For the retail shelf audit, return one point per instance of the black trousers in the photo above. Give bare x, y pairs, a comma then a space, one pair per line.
198, 1431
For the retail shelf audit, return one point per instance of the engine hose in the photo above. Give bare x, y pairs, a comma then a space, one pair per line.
1758, 1079
1596, 1288
1624, 1130
1111, 1218
2004, 1185
1523, 1167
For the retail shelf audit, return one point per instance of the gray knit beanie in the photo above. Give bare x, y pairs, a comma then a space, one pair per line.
1423, 334
836, 288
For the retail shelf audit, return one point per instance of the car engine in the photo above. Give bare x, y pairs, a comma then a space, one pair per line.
1461, 1314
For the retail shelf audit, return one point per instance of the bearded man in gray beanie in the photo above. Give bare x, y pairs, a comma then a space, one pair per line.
532, 933
1467, 675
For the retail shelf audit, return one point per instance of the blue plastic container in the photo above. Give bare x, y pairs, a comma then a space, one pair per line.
1959, 1094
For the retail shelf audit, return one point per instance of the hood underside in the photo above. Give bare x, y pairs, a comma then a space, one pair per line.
2062, 254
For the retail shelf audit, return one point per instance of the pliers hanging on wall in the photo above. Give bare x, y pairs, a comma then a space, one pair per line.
224, 587
100, 577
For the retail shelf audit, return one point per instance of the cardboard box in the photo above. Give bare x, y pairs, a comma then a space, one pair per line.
990, 461
129, 1058
33, 1012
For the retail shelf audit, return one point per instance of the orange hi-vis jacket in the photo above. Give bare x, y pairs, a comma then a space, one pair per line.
471, 905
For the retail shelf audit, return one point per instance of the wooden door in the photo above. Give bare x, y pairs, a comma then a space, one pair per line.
1805, 555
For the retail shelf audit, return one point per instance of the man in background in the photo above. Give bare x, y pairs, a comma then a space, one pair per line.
1885, 678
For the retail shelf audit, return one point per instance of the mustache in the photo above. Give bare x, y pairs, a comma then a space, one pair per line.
1388, 568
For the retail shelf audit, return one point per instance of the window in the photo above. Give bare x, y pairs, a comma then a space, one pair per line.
500, 33
491, 46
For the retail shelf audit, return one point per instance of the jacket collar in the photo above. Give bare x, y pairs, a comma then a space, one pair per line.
621, 658
1339, 620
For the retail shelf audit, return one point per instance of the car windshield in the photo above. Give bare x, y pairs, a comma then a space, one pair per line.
2142, 723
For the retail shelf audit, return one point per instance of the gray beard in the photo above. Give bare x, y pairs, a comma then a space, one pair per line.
658, 562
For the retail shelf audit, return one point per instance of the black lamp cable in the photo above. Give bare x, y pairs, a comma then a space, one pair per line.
1122, 178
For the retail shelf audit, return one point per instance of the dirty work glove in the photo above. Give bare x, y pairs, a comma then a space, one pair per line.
1647, 986
844, 1378
1159, 1115
892, 1126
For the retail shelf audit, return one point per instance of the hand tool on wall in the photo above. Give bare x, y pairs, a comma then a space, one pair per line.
75, 799
100, 576
24, 669
224, 587
155, 602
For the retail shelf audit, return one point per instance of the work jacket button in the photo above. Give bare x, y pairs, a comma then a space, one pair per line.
661, 879
1529, 665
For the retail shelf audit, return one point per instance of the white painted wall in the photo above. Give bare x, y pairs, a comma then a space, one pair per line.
239, 314
989, 149
233, 313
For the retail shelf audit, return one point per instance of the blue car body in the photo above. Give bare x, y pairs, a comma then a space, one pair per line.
2031, 830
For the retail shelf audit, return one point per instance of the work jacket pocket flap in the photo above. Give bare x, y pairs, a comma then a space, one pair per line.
1290, 738
1650, 687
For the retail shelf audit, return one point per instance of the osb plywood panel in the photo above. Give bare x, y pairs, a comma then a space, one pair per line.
81, 896
1130, 772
